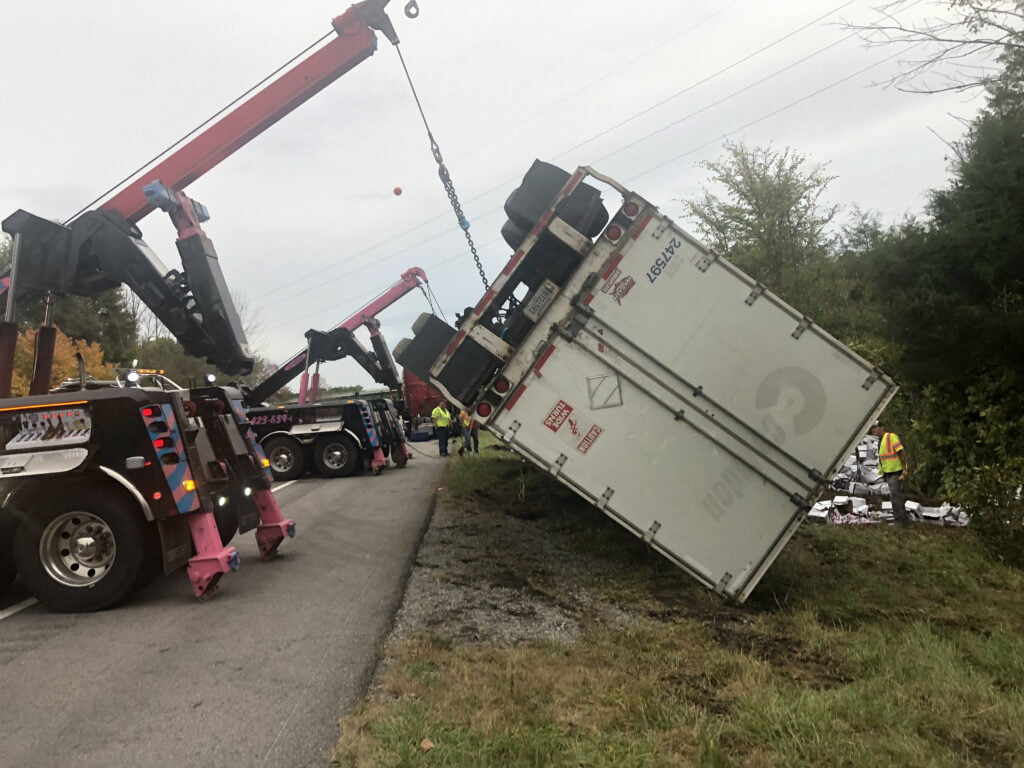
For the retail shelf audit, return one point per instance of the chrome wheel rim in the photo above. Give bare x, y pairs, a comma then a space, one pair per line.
335, 455
77, 549
282, 458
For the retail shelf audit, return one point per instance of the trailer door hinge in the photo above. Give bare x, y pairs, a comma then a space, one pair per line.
799, 501
755, 294
709, 258
605, 498
556, 468
663, 225
803, 325
723, 582
512, 429
649, 534
816, 475
575, 323
874, 376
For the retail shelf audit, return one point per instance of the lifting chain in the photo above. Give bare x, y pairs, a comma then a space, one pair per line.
446, 179
453, 198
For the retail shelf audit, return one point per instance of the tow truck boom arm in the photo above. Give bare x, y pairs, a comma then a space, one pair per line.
298, 363
103, 248
354, 44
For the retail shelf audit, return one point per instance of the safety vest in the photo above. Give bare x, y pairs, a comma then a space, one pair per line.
441, 417
467, 420
888, 453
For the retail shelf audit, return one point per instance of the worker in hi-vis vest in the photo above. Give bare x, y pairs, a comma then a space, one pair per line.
442, 417
893, 466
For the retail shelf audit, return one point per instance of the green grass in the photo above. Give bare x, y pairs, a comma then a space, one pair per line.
861, 646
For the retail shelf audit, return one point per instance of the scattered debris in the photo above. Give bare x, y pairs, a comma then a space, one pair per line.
862, 496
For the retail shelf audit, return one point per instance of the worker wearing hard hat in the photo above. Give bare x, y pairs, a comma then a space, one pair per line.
893, 467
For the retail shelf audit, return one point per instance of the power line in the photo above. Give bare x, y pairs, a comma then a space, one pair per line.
554, 103
688, 152
765, 117
504, 184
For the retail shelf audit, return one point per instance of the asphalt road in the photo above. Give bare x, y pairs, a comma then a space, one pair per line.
257, 676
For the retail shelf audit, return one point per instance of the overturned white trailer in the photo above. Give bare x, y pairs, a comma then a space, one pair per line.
653, 377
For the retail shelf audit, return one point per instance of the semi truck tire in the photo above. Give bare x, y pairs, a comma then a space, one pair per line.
83, 550
335, 455
7, 569
287, 459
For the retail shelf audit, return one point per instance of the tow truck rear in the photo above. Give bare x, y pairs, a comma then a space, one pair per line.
101, 487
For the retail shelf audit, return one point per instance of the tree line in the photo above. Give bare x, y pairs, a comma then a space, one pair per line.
937, 301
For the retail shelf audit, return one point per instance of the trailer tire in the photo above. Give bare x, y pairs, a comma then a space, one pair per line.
83, 550
335, 455
287, 459
7, 569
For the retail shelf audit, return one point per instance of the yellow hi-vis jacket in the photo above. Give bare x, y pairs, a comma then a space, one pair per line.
888, 453
441, 417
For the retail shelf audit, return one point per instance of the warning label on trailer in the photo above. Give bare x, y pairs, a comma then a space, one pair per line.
579, 434
589, 439
558, 416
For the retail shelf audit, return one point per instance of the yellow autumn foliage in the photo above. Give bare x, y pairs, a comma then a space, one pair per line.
65, 364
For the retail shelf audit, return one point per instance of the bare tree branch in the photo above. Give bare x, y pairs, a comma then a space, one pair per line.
962, 46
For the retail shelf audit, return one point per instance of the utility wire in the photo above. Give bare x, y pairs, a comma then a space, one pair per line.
504, 184
676, 158
195, 130
765, 117
554, 103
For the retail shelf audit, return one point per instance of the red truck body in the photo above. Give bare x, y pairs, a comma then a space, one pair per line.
420, 397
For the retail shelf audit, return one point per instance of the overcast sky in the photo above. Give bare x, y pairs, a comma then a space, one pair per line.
304, 218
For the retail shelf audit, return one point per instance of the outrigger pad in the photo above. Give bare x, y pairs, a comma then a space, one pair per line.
44, 261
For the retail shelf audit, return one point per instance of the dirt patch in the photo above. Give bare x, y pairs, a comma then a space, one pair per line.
505, 569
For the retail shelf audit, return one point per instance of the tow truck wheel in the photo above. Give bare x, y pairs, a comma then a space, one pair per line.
335, 455
7, 569
287, 460
84, 550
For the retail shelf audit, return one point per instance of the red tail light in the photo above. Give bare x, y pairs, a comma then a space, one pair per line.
150, 411
502, 385
631, 209
483, 410
163, 442
613, 233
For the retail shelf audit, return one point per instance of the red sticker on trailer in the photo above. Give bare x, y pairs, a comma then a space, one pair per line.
590, 439
622, 287
558, 415
618, 285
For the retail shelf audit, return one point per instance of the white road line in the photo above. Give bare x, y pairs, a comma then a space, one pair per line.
8, 612
277, 487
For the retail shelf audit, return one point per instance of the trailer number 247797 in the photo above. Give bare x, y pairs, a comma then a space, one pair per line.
660, 263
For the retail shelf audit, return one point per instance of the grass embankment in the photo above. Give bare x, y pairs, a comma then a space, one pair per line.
862, 646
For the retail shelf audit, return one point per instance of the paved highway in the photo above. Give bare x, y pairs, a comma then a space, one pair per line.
257, 676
